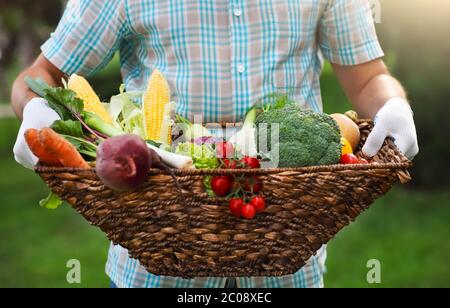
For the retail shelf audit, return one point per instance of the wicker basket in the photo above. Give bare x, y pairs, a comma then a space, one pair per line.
195, 236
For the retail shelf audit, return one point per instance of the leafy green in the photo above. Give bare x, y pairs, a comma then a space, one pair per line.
204, 156
72, 131
191, 131
64, 102
128, 115
52, 202
274, 101
95, 122
68, 127
82, 145
38, 86
207, 185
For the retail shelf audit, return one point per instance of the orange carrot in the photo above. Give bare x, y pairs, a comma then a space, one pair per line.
36, 147
59, 147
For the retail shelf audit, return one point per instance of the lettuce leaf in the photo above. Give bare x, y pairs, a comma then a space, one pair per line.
127, 114
52, 202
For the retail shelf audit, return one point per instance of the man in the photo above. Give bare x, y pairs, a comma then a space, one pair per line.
220, 57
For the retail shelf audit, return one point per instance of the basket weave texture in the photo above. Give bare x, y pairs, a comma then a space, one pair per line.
193, 235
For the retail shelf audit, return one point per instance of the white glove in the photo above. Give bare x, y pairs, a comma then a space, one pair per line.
394, 119
36, 114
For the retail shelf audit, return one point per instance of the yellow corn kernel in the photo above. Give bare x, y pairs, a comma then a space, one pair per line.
155, 104
91, 101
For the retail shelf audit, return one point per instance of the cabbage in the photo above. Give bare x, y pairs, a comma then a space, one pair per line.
126, 114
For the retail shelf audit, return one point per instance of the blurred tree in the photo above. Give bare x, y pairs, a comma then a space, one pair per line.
415, 35
24, 25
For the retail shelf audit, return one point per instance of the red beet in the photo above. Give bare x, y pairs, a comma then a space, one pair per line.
123, 162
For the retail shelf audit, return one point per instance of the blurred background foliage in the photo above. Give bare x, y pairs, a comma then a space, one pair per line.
406, 229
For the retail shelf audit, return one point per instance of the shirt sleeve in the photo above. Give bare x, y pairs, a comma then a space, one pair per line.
87, 36
347, 33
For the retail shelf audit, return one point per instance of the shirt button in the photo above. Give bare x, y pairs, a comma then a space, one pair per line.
237, 12
241, 68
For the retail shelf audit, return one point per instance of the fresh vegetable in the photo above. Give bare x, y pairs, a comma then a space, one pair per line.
349, 159
245, 139
157, 116
123, 162
250, 184
84, 147
227, 163
91, 101
208, 140
61, 149
37, 148
207, 185
346, 147
306, 138
349, 129
353, 115
202, 155
172, 159
127, 114
192, 131
250, 162
70, 108
259, 203
221, 185
224, 149
235, 206
97, 123
248, 211
72, 131
51, 202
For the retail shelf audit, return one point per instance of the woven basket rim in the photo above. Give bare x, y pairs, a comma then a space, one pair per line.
312, 169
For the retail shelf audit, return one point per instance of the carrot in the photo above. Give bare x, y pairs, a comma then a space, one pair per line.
36, 147
59, 147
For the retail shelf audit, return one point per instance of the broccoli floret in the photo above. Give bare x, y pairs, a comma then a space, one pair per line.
306, 138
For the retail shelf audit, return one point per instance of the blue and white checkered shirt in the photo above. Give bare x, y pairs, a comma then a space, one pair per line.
220, 57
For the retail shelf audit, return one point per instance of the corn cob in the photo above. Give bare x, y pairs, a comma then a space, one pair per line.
156, 99
92, 102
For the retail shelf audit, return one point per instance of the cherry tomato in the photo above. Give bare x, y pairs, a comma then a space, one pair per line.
229, 163
349, 159
248, 211
251, 184
259, 203
251, 162
221, 185
236, 205
224, 149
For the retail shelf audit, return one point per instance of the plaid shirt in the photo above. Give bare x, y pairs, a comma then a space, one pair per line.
220, 57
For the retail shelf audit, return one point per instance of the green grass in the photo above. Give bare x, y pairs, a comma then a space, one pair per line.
407, 232
37, 243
